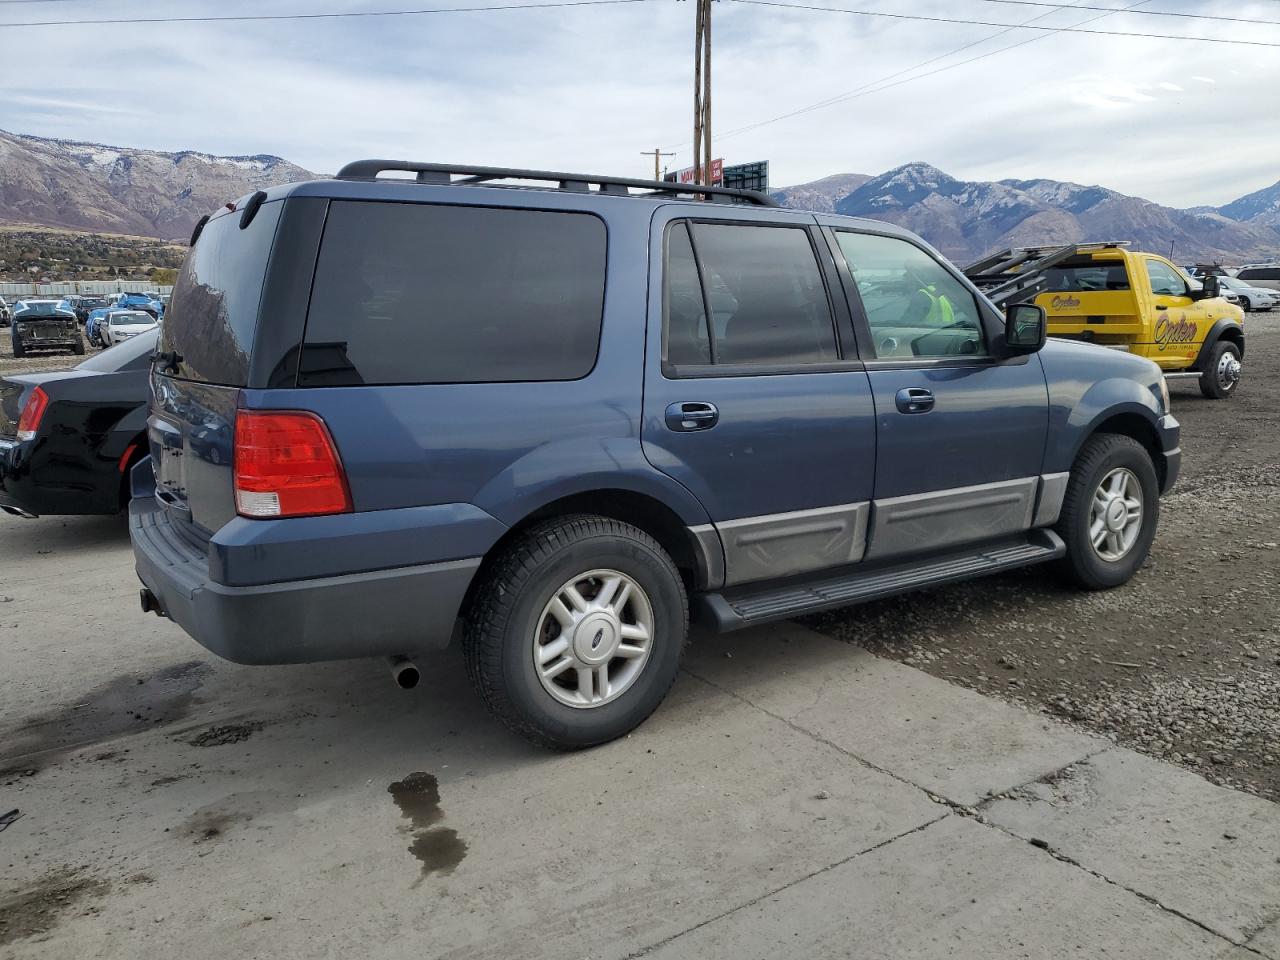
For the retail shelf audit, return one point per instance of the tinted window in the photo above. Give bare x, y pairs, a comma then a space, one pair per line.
914, 306
1088, 277
1165, 281
685, 323
133, 354
214, 312
417, 293
767, 299
1257, 273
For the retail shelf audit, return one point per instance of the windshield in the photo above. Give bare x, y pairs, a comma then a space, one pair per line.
28, 310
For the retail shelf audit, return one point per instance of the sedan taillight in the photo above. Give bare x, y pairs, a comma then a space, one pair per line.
32, 413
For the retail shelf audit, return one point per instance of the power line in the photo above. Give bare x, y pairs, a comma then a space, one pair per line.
257, 17
990, 23
850, 94
1140, 13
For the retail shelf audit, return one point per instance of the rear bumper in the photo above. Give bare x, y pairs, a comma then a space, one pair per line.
377, 613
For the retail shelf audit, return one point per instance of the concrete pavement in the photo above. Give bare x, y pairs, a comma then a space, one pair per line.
794, 794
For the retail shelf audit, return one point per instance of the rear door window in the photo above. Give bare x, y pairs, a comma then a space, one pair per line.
213, 315
425, 293
751, 295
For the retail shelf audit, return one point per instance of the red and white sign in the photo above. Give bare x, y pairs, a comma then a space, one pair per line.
689, 174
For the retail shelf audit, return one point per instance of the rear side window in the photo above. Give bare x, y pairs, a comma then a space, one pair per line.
213, 314
421, 293
1258, 274
748, 295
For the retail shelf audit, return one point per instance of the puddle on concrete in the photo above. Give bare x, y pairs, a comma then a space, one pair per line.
438, 849
40, 907
127, 704
418, 797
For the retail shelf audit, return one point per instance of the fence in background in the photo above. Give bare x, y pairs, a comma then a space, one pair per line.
12, 291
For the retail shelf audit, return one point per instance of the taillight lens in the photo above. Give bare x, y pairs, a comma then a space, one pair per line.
32, 413
286, 465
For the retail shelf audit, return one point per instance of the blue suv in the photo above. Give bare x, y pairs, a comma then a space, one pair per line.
550, 422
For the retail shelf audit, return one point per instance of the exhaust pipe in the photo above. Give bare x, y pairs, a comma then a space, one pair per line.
17, 512
404, 672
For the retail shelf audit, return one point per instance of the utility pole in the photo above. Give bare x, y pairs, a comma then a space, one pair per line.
656, 153
702, 94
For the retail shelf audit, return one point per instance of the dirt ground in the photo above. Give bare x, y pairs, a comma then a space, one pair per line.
44, 360
1184, 662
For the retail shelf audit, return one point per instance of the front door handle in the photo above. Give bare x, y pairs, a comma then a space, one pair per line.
692, 415
1161, 306
914, 400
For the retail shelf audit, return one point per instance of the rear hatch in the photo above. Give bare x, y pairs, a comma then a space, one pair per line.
202, 364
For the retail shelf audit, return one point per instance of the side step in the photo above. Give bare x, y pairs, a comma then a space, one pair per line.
754, 603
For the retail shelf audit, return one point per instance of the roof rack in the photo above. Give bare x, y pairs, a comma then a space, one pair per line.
444, 173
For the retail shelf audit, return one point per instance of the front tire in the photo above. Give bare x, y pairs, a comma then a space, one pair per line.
1221, 374
1110, 511
1246, 304
574, 633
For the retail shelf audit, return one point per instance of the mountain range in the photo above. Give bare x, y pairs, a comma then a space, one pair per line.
965, 219
149, 193
88, 186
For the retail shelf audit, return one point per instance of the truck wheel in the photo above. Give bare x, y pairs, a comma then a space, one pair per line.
1222, 372
19, 350
574, 633
1110, 511
78, 347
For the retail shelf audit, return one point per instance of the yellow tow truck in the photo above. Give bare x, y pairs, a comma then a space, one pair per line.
1107, 294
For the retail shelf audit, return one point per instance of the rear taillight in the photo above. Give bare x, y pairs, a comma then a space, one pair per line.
286, 465
32, 413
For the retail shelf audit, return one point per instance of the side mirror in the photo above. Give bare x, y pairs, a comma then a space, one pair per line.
1025, 327
1211, 287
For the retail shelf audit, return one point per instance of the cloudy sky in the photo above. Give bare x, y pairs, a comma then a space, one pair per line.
589, 87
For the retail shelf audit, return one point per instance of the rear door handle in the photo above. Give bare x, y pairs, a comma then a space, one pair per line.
694, 415
914, 400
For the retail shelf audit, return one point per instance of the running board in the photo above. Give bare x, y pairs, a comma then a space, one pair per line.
747, 606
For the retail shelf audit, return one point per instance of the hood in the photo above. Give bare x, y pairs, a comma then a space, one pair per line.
1102, 362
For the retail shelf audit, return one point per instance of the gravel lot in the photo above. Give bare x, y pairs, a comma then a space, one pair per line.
36, 361
1184, 662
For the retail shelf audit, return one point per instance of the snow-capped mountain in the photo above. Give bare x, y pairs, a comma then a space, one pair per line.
124, 190
1262, 206
966, 219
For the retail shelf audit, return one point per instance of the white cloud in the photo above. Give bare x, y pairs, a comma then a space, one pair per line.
589, 88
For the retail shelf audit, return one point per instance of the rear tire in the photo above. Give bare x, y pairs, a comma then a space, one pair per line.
514, 641
19, 349
78, 347
1216, 382
1112, 474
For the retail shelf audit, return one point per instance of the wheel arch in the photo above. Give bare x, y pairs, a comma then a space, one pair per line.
1137, 426
699, 558
1224, 329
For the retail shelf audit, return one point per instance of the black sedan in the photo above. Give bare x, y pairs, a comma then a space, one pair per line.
69, 438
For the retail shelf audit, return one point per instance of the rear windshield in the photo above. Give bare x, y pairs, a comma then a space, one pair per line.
212, 317
1087, 277
419, 293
